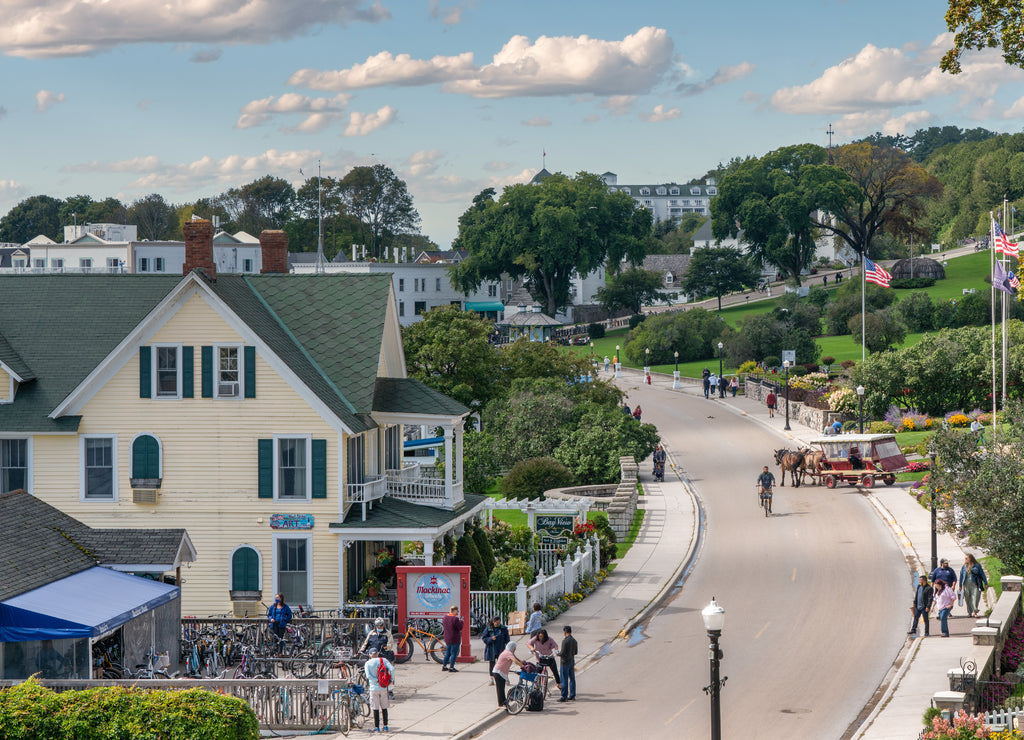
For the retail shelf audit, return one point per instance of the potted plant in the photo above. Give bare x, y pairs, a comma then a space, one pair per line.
372, 587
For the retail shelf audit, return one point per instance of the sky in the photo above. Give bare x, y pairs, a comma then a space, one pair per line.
188, 98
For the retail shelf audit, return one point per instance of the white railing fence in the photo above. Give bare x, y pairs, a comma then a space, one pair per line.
487, 604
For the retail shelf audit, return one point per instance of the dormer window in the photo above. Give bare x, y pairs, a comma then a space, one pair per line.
627, 191
662, 191
695, 191
712, 191
673, 191
669, 278
645, 191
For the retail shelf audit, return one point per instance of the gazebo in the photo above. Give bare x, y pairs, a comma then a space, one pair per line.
918, 267
529, 323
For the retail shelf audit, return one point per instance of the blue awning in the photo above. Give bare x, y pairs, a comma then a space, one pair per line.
86, 604
415, 444
484, 306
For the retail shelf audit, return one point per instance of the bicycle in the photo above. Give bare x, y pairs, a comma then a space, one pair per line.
765, 495
519, 695
429, 643
148, 669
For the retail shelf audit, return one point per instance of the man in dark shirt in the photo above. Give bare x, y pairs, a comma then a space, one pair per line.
451, 628
944, 573
921, 604
567, 654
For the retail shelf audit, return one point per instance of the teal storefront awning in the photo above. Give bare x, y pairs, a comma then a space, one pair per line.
484, 306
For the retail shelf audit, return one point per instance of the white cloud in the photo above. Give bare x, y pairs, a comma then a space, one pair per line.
862, 123
58, 28
537, 121
907, 123
385, 69
660, 114
46, 100
318, 112
722, 76
450, 15
361, 124
551, 65
205, 56
423, 162
884, 78
618, 104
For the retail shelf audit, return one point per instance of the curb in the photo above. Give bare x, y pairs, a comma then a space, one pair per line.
907, 653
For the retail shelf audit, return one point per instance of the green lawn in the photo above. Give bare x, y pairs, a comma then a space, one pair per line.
623, 547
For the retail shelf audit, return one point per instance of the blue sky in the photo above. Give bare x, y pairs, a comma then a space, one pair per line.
190, 97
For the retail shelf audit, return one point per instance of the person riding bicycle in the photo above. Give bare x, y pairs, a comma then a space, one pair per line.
380, 639
765, 483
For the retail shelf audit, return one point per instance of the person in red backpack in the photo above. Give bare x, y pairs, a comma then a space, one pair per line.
380, 674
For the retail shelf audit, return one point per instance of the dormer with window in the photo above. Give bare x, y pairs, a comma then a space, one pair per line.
695, 190
712, 191
627, 191
662, 191
673, 191
645, 191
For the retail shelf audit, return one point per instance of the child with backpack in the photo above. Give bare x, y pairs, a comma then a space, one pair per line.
380, 674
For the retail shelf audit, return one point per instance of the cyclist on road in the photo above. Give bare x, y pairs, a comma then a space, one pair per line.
765, 483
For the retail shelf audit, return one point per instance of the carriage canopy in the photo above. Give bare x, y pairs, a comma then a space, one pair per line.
881, 449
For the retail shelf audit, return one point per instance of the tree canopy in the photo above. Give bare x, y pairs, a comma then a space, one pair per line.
38, 214
716, 271
631, 290
381, 201
543, 233
984, 24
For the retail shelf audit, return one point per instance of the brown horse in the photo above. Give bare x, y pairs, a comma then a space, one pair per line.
791, 461
811, 463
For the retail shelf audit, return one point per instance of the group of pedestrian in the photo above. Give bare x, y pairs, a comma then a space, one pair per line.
713, 384
500, 652
636, 413
945, 590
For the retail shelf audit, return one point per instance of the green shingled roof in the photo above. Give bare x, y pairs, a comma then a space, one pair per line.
391, 513
410, 396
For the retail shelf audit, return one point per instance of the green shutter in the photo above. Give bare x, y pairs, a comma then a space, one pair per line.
145, 372
245, 570
319, 468
250, 372
206, 370
266, 468
145, 457
188, 372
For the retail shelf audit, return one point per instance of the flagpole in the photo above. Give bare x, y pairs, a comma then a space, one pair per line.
1002, 295
992, 265
863, 291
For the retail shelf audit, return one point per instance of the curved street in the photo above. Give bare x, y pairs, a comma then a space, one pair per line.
814, 599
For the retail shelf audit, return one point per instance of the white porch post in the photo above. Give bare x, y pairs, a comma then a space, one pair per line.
460, 434
449, 494
428, 552
341, 573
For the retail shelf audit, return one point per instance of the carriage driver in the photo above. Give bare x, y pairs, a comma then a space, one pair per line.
765, 483
856, 463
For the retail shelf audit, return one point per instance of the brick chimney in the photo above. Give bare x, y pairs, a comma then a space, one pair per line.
274, 246
199, 247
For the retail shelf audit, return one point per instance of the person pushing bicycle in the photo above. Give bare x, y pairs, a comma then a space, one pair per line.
765, 484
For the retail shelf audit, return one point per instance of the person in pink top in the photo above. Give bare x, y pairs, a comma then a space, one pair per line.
501, 668
945, 597
545, 649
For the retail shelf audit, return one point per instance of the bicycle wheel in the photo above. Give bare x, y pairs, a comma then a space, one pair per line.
767, 504
364, 705
355, 715
435, 649
515, 700
403, 649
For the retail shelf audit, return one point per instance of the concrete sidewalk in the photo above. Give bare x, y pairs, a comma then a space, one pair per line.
923, 663
433, 704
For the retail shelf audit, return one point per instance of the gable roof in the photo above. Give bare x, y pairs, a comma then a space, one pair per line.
410, 396
61, 545
674, 263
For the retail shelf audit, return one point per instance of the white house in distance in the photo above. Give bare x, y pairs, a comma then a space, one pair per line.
668, 201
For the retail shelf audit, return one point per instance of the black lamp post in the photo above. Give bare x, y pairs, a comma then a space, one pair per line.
931, 486
677, 360
860, 401
714, 620
720, 345
786, 364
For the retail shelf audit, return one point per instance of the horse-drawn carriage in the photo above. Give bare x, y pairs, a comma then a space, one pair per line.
857, 459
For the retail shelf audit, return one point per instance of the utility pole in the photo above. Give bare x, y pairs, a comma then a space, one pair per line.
320, 268
830, 131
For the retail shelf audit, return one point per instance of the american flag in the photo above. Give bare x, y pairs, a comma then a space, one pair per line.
1013, 280
1002, 242
876, 274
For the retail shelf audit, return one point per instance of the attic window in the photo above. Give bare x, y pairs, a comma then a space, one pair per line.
645, 191
670, 278
673, 191
661, 191
694, 191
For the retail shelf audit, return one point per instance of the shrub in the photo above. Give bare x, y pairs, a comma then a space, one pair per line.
596, 331
880, 427
847, 364
483, 546
509, 542
827, 360
918, 282
506, 576
842, 399
467, 554
958, 420
636, 319
530, 478
29, 710
917, 311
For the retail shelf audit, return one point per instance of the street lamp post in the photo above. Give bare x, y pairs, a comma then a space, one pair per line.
720, 346
618, 363
786, 365
647, 366
860, 401
931, 486
675, 373
714, 620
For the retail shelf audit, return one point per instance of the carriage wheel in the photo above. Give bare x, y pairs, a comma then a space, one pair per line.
889, 479
830, 481
867, 481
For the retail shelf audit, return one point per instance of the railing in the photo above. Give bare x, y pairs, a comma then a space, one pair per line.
429, 491
487, 604
409, 471
279, 704
98, 270
367, 492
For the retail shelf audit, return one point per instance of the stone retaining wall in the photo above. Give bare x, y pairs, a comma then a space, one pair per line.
617, 500
798, 412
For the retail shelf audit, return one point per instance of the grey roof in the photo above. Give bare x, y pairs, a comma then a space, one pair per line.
684, 189
665, 264
408, 395
302, 258
529, 318
393, 513
543, 174
43, 544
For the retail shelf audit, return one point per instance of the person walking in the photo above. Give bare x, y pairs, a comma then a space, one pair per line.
567, 654
607, 363
771, 401
542, 646
722, 385
279, 615
536, 619
380, 674
706, 380
945, 597
713, 384
501, 668
637, 413
734, 385
922, 604
451, 630
495, 637
944, 573
973, 583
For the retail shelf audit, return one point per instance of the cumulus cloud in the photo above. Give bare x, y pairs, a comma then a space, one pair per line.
205, 56
361, 124
54, 28
423, 162
317, 112
867, 122
537, 121
46, 100
618, 104
660, 114
886, 78
450, 15
550, 65
722, 76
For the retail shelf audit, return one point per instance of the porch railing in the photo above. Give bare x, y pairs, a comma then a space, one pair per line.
428, 491
409, 471
367, 492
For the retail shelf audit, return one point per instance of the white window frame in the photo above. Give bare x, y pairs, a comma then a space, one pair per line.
85, 263
156, 373
247, 266
39, 264
143, 264
645, 191
291, 535
437, 285
401, 285
57, 264
309, 468
674, 191
241, 371
81, 468
401, 308
158, 264
695, 191
28, 456
259, 561
131, 455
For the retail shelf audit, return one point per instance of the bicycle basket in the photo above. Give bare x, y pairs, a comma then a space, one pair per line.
356, 688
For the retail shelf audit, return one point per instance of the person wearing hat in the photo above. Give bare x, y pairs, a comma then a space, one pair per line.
945, 574
501, 668
379, 699
380, 637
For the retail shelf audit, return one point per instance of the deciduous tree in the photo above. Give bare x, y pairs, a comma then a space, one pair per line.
716, 271
982, 24
153, 216
631, 289
38, 214
382, 203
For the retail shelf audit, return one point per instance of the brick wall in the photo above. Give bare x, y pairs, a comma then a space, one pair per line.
199, 247
274, 245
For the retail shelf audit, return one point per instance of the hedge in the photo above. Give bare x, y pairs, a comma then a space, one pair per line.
29, 711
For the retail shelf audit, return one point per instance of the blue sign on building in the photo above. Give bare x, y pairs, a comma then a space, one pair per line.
291, 521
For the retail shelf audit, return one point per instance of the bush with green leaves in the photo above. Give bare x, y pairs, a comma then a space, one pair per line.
636, 319
596, 331
483, 546
506, 575
592, 449
511, 541
530, 478
694, 334
29, 711
480, 460
882, 330
917, 312
917, 282
467, 554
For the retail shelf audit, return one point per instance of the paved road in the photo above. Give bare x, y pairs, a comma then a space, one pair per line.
813, 597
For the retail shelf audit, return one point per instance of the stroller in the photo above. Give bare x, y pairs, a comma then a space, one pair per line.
659, 471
